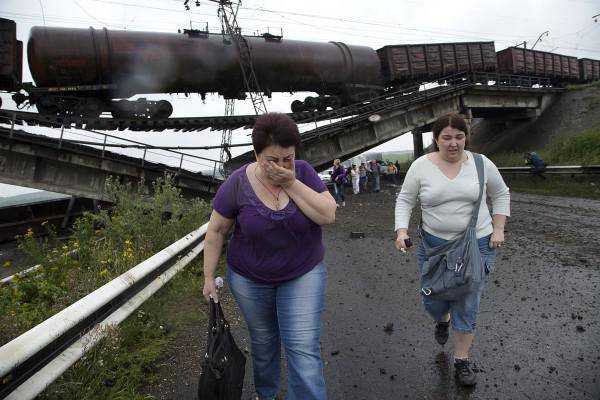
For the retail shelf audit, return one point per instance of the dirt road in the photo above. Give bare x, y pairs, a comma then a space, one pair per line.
538, 330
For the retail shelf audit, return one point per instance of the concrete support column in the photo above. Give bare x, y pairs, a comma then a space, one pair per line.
417, 142
69, 211
469, 117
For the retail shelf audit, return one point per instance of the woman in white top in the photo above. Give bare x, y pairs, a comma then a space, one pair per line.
355, 179
446, 184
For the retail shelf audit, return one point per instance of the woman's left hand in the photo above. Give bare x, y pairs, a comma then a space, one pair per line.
497, 238
279, 176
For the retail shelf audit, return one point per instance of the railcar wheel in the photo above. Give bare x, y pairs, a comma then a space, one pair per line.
90, 108
163, 109
297, 106
321, 104
47, 106
310, 103
334, 102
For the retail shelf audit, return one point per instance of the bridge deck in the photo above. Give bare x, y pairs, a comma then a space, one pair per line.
47, 163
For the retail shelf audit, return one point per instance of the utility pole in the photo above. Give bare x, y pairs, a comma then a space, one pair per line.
227, 14
539, 39
229, 24
524, 43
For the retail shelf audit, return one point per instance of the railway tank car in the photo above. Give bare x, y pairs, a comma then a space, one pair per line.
125, 63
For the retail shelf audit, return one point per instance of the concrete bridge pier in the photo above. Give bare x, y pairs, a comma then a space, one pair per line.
417, 135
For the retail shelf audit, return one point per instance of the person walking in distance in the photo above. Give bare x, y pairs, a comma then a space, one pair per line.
362, 177
276, 207
447, 186
355, 179
376, 176
339, 178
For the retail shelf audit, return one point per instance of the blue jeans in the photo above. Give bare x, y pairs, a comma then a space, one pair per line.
362, 182
289, 312
338, 192
376, 183
463, 312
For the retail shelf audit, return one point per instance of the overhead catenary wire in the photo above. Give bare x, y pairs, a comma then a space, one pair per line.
416, 32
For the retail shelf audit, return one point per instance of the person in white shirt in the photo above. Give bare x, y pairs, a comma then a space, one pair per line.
446, 184
355, 179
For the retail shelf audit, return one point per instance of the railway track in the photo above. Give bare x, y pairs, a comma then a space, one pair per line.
186, 124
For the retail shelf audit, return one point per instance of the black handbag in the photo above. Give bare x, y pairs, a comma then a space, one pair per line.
224, 365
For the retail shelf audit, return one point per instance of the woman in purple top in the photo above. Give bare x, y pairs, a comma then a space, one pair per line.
276, 207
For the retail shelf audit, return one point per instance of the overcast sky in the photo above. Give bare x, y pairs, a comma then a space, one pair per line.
375, 23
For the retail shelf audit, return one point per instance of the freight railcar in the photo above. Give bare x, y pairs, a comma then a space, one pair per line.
415, 63
520, 61
11, 57
589, 70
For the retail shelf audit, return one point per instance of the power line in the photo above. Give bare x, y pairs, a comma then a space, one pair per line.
312, 16
340, 30
43, 16
343, 30
90, 15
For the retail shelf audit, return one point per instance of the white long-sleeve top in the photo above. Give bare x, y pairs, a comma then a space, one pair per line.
447, 204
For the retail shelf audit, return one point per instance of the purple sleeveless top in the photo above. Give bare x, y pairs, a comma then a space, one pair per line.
270, 246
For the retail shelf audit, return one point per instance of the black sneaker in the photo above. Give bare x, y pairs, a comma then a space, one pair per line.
441, 332
465, 376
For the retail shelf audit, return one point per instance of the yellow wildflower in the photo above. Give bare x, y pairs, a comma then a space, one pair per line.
7, 264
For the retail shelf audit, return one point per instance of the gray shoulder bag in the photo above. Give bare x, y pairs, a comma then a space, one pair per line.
454, 269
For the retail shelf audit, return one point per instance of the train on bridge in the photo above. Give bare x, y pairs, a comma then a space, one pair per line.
85, 72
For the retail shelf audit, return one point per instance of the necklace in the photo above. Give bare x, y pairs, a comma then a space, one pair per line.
275, 195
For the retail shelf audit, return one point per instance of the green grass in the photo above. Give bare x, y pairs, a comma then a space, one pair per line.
401, 157
564, 186
581, 86
108, 244
129, 356
581, 149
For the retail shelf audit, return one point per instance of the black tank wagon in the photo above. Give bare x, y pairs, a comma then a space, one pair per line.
120, 64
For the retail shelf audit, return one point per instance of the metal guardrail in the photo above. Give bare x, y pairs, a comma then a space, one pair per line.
553, 170
30, 362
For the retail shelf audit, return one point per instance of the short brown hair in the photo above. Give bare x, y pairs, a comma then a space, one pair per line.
453, 120
274, 129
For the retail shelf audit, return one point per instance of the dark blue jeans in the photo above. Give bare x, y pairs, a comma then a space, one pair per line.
338, 192
289, 312
463, 312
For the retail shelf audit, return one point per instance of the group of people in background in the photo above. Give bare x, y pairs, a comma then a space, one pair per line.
360, 177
